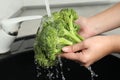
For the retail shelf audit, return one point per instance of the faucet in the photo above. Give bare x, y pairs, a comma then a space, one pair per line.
9, 30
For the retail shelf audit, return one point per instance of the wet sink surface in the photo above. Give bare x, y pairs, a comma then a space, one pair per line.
18, 67
21, 66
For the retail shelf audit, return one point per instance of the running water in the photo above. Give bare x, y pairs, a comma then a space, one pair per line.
48, 8
51, 73
93, 74
56, 72
61, 65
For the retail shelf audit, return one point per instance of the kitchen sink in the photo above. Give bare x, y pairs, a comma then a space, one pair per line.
20, 65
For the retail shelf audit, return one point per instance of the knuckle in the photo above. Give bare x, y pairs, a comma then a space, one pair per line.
73, 48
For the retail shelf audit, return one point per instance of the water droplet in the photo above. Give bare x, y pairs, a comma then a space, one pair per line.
61, 65
93, 74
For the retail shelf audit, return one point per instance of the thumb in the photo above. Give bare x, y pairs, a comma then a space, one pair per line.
73, 48
80, 20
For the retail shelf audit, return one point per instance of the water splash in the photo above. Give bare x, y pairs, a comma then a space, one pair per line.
93, 74
50, 73
61, 65
57, 72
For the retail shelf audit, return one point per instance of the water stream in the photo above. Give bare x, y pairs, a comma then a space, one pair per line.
93, 74
57, 72
61, 65
48, 8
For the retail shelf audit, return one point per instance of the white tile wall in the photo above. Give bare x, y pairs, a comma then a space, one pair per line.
9, 7
41, 2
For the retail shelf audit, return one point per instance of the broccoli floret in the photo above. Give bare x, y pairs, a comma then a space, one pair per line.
55, 33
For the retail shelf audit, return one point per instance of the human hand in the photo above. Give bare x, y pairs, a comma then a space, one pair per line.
90, 50
85, 29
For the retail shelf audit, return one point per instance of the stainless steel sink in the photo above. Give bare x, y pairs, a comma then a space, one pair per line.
19, 65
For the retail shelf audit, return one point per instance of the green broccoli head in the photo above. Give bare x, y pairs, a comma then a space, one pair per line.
55, 33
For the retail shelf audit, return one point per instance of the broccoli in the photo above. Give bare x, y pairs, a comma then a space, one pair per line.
55, 32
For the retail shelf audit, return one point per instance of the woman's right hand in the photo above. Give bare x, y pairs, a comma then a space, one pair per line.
92, 49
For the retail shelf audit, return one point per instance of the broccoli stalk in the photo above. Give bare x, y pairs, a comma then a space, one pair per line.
72, 35
64, 41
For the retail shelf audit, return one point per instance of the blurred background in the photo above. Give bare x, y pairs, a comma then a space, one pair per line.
9, 7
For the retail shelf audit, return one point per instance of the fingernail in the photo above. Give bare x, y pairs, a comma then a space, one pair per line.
65, 49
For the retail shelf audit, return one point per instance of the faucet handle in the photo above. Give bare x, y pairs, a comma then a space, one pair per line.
12, 25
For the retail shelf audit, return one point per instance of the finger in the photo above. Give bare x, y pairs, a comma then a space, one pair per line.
84, 34
79, 20
71, 56
74, 48
78, 57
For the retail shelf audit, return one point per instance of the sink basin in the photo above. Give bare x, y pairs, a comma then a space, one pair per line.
21, 66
